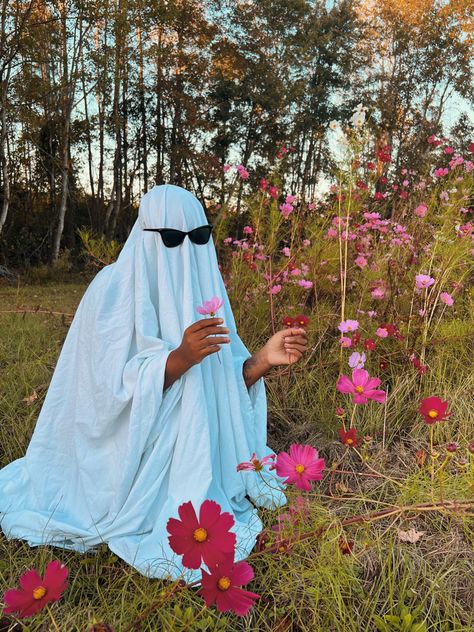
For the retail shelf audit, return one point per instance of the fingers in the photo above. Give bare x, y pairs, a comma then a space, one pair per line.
207, 331
215, 340
209, 350
290, 348
295, 331
294, 356
300, 340
205, 322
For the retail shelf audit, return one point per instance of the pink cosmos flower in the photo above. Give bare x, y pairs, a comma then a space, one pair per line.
361, 261
446, 298
381, 332
306, 242
248, 230
275, 289
226, 168
300, 466
243, 173
348, 325
257, 465
290, 199
361, 386
210, 307
378, 293
345, 341
36, 591
207, 539
423, 281
306, 284
420, 210
357, 360
221, 586
296, 515
286, 209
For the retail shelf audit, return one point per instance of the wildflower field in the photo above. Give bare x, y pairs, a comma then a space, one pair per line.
373, 430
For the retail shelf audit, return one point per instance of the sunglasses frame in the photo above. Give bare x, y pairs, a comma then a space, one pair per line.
183, 233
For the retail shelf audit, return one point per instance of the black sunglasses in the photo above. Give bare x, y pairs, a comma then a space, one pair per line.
172, 237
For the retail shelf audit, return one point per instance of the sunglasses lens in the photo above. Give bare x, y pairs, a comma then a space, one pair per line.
172, 238
200, 235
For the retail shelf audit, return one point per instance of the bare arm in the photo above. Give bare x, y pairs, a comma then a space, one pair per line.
284, 347
255, 367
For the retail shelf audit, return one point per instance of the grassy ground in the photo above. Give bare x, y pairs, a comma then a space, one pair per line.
314, 585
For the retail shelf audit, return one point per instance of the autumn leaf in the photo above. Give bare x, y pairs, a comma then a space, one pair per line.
31, 398
411, 535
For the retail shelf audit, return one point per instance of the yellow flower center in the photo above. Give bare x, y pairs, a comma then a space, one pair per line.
200, 535
433, 413
299, 468
223, 583
349, 441
257, 465
281, 548
39, 592
359, 389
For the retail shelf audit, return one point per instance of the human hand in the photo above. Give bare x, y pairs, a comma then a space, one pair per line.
286, 346
198, 341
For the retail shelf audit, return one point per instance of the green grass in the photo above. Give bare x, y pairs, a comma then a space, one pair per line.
313, 586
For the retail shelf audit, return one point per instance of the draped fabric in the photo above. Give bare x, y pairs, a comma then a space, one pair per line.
113, 455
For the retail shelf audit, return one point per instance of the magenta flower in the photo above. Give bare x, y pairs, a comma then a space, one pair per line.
35, 591
348, 325
423, 281
306, 284
210, 307
256, 465
361, 386
300, 466
207, 539
381, 332
221, 586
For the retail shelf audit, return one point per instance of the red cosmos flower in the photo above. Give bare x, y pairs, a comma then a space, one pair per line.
470, 148
207, 539
355, 338
288, 321
300, 466
220, 586
346, 546
301, 320
35, 591
433, 409
348, 437
369, 344
370, 166
383, 154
